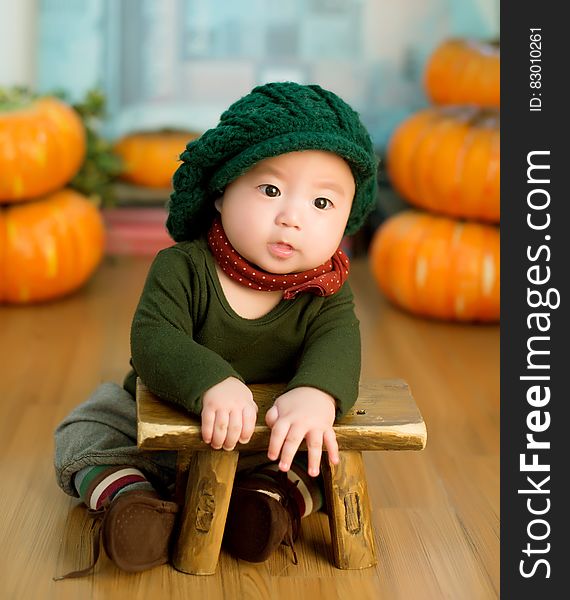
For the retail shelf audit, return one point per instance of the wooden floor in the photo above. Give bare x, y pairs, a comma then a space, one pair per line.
436, 512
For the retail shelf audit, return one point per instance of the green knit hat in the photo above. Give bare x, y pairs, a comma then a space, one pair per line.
272, 119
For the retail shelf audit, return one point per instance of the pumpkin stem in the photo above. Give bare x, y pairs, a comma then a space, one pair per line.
485, 47
15, 98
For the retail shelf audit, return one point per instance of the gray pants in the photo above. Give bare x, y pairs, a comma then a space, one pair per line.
103, 431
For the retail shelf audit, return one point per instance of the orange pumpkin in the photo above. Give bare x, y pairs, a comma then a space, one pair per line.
463, 71
438, 267
48, 247
150, 158
447, 160
42, 146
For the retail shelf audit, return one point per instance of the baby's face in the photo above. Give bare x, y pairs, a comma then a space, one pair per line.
288, 213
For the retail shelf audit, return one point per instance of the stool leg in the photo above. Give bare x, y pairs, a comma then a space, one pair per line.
183, 459
208, 491
349, 512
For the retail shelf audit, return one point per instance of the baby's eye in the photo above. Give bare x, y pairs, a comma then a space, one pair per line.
269, 190
322, 203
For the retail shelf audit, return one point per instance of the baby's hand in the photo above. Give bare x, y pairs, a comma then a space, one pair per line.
302, 413
228, 414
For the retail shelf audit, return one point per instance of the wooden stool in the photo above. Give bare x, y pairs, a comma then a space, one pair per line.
385, 417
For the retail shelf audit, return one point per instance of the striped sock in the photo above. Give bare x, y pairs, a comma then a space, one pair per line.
309, 492
95, 485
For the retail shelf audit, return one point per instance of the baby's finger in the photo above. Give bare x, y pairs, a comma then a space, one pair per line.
220, 429
234, 429
248, 427
331, 445
271, 416
315, 451
208, 418
278, 435
290, 447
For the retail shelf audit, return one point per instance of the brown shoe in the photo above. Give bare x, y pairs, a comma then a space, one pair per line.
136, 528
261, 516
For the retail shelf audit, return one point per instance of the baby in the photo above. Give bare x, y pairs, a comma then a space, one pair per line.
254, 291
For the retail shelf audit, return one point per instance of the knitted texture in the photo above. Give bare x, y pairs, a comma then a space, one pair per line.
272, 119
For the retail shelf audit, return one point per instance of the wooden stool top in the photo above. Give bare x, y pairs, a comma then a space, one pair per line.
385, 417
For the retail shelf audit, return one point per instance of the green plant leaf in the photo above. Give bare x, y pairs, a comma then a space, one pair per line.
101, 166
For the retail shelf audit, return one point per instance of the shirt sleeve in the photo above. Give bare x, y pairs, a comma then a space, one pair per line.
330, 359
163, 351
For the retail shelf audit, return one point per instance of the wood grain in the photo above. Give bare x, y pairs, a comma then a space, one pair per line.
349, 511
385, 417
210, 481
435, 512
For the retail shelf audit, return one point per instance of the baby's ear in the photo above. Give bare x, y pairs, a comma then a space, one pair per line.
218, 203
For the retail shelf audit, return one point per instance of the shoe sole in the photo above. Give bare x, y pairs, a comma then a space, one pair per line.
137, 532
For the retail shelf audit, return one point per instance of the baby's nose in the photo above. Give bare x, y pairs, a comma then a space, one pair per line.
289, 216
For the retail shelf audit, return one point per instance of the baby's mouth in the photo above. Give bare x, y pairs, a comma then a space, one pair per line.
281, 249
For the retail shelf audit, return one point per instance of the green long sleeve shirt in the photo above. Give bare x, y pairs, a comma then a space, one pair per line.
185, 337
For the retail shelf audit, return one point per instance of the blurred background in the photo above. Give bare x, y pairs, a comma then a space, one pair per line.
180, 63
145, 77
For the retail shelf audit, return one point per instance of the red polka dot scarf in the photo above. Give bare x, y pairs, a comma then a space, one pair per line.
325, 280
